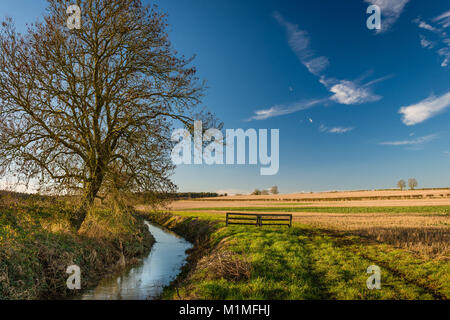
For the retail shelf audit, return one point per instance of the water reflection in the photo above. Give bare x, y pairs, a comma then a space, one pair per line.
147, 280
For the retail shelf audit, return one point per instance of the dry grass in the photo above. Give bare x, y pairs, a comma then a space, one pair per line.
225, 264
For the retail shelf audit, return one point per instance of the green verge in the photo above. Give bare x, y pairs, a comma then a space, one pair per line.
437, 210
300, 263
37, 244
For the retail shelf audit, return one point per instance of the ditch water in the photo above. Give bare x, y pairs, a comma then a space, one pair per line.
147, 280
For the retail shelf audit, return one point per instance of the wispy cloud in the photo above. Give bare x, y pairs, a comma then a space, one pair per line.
424, 25
417, 141
390, 11
343, 91
438, 30
317, 65
444, 52
425, 43
443, 19
279, 110
299, 42
338, 130
425, 109
370, 83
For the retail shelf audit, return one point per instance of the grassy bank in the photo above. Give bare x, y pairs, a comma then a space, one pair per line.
304, 262
37, 244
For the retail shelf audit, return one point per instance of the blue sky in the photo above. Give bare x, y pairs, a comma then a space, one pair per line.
356, 108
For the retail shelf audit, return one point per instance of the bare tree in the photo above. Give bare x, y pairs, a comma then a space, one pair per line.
264, 192
256, 192
90, 110
401, 184
412, 183
274, 190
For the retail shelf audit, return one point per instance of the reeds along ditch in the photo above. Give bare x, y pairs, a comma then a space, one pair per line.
37, 244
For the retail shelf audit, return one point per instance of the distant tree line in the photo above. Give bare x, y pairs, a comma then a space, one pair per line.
265, 192
148, 197
191, 195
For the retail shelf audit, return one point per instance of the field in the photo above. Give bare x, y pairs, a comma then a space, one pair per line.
326, 253
420, 225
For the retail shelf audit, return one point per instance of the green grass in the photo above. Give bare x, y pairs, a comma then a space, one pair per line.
438, 210
308, 263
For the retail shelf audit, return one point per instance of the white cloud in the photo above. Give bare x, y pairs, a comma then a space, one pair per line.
417, 141
338, 130
390, 11
279, 110
347, 92
447, 153
422, 24
317, 65
425, 43
352, 92
443, 19
424, 109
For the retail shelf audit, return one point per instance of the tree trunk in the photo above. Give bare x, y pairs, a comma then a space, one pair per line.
88, 202
81, 213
